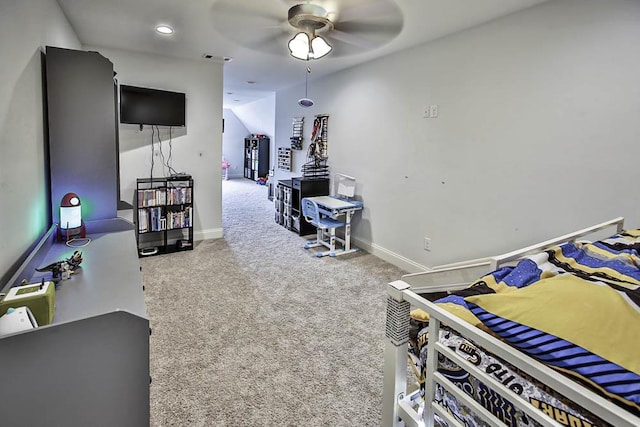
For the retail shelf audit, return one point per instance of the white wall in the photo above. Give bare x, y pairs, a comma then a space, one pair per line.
259, 118
196, 149
26, 27
233, 143
536, 134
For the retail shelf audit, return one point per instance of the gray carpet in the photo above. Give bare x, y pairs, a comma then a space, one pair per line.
252, 330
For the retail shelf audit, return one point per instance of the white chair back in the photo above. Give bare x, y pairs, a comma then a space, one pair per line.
310, 211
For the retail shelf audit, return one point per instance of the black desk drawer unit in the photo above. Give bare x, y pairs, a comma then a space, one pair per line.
287, 202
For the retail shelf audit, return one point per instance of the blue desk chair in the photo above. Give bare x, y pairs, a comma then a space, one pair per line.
326, 226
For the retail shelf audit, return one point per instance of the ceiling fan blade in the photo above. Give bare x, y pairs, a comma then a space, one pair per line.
366, 25
350, 39
367, 9
370, 28
275, 43
244, 9
251, 23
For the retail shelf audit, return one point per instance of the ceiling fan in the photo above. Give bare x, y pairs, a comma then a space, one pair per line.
348, 26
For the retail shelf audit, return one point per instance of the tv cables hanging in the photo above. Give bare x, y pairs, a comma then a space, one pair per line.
166, 162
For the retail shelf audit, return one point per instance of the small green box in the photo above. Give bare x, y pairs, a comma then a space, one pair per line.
39, 297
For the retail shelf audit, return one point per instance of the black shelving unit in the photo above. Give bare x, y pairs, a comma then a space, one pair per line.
256, 158
288, 196
164, 215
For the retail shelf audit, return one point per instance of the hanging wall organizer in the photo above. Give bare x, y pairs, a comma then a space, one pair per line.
317, 154
284, 158
296, 138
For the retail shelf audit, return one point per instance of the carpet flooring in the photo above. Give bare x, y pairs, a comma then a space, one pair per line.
253, 330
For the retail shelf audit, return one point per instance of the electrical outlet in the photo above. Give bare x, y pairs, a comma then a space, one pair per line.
433, 111
427, 244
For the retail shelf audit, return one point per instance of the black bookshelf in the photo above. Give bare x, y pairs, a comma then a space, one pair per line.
164, 215
256, 158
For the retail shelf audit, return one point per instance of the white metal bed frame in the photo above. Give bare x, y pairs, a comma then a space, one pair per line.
398, 408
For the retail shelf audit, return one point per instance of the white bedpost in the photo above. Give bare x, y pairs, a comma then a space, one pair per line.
395, 353
431, 367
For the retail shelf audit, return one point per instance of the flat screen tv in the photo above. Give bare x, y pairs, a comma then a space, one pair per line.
144, 106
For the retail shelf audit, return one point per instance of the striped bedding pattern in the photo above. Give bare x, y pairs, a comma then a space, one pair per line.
575, 307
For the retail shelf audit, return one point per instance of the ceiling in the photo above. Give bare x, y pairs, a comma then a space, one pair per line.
254, 33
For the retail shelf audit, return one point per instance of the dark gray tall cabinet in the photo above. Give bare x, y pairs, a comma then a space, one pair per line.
82, 131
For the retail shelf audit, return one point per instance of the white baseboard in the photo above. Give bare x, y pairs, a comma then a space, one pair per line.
377, 250
389, 256
234, 176
211, 233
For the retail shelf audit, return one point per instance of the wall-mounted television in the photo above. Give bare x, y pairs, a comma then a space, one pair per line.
145, 106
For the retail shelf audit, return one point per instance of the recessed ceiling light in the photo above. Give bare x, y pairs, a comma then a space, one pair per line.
164, 29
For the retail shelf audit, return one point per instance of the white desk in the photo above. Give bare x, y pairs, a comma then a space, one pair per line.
334, 207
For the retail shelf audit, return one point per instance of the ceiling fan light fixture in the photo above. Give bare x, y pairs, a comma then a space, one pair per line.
319, 47
311, 21
300, 48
